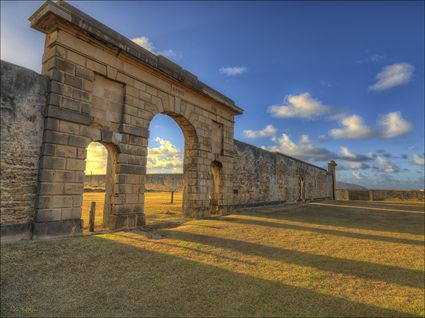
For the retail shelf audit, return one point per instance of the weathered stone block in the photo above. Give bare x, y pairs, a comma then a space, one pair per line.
54, 137
48, 215
78, 141
73, 81
50, 188
65, 66
54, 202
130, 169
61, 228
134, 130
96, 67
69, 115
73, 188
84, 73
71, 213
75, 164
48, 162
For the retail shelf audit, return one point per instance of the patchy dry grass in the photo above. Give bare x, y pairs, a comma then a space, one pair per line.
313, 260
157, 207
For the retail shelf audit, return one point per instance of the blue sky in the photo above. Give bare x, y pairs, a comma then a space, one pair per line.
317, 80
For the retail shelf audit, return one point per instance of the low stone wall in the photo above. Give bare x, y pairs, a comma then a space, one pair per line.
382, 195
154, 182
379, 195
164, 182
23, 97
262, 178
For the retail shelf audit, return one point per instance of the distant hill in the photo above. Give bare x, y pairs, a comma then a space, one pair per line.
345, 185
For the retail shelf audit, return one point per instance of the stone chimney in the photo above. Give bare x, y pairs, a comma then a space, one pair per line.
332, 170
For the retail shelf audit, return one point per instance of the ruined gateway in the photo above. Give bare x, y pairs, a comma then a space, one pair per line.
97, 85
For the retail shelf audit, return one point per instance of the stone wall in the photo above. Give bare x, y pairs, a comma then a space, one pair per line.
261, 177
23, 97
380, 195
153, 182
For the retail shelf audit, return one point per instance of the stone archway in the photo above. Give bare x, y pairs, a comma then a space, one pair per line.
190, 161
105, 87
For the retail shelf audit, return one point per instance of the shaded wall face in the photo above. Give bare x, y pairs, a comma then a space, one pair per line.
262, 177
23, 97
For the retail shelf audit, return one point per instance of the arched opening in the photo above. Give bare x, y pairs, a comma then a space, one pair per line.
215, 195
98, 184
170, 139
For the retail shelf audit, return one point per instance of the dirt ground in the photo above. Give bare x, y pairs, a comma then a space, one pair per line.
328, 258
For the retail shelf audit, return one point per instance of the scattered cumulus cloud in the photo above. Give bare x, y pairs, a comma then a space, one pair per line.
169, 53
418, 160
345, 152
354, 161
392, 76
304, 149
385, 166
166, 158
358, 175
301, 106
268, 131
393, 125
388, 126
144, 42
147, 44
233, 70
353, 127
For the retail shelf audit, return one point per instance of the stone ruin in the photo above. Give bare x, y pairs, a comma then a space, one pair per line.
97, 85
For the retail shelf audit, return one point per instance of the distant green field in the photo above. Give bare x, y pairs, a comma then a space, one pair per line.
333, 258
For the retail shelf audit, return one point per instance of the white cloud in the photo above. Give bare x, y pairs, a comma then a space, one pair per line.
233, 70
358, 175
268, 131
388, 126
392, 76
145, 42
418, 160
384, 165
353, 128
168, 53
345, 152
304, 149
354, 161
166, 158
302, 106
393, 125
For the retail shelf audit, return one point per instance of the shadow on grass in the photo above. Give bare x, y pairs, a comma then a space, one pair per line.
408, 223
324, 231
384, 273
97, 277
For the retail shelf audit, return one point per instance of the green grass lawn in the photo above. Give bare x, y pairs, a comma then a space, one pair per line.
314, 260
